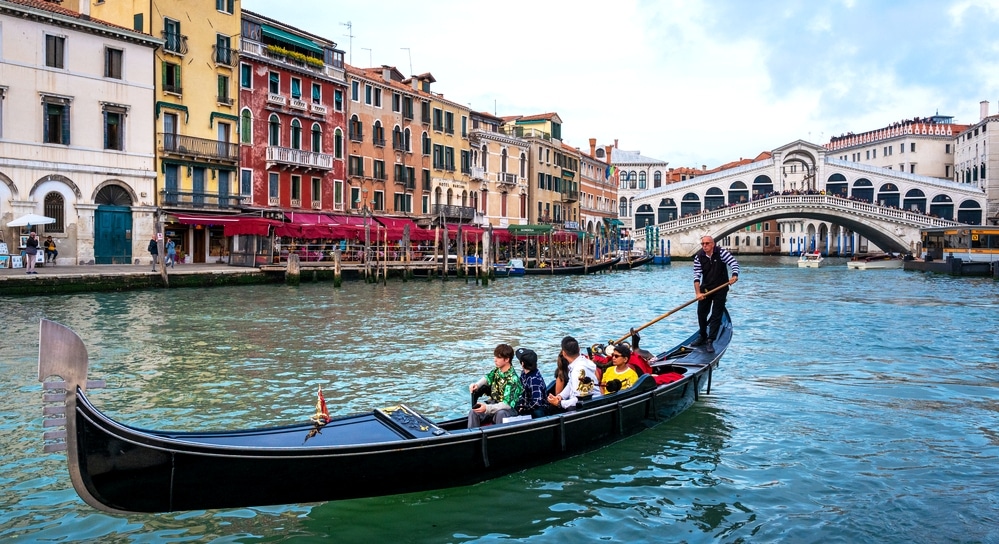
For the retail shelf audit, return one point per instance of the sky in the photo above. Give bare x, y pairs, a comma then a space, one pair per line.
694, 83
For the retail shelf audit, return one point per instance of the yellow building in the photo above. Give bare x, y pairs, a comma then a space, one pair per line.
453, 197
197, 154
554, 169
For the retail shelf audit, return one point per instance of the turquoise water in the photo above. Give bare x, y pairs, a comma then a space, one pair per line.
852, 406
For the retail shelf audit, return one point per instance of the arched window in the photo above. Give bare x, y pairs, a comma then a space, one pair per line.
642, 180
503, 161
523, 165
657, 179
338, 143
356, 129
485, 154
274, 131
55, 207
397, 138
317, 138
622, 207
406, 142
426, 144
246, 127
296, 134
378, 134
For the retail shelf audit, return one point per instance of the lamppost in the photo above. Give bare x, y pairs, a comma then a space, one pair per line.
365, 212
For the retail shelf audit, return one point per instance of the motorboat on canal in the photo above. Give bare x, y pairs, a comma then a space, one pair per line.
811, 260
513, 267
120, 468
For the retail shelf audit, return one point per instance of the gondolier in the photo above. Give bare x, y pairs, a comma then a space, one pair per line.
711, 270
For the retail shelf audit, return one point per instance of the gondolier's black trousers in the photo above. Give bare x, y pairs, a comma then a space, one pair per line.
715, 306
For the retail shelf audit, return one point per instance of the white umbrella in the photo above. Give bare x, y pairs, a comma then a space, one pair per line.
31, 219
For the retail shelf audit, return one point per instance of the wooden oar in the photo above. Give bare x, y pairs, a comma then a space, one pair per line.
667, 314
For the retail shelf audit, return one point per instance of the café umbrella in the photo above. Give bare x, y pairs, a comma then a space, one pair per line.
31, 219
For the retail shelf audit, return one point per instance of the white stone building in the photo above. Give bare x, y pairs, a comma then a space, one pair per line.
976, 160
76, 131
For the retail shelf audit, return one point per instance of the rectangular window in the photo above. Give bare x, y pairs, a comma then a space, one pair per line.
317, 93
338, 194
912, 147
245, 76
224, 90
396, 102
114, 128
296, 88
55, 50
171, 78
438, 120
901, 148
223, 50
338, 100
273, 185
379, 203
449, 159
378, 98
874, 153
317, 189
947, 149
449, 122
355, 91
464, 126
245, 181
112, 63
438, 156
355, 198
296, 188
367, 94
225, 6
379, 169
56, 129
274, 83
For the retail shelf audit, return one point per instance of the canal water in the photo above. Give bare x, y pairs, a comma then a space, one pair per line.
852, 406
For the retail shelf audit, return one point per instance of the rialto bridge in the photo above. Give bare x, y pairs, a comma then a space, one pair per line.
884, 206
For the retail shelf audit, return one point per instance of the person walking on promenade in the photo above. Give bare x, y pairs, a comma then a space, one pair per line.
30, 250
711, 270
154, 250
171, 253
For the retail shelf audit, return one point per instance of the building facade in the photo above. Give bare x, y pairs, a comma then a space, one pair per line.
500, 172
976, 159
553, 168
292, 118
76, 134
597, 192
454, 200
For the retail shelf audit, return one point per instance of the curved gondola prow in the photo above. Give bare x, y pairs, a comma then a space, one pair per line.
62, 366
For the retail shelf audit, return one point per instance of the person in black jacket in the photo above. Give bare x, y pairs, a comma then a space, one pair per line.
711, 270
154, 250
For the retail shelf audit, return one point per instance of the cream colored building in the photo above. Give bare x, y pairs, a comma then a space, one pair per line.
452, 196
76, 132
976, 160
553, 174
499, 172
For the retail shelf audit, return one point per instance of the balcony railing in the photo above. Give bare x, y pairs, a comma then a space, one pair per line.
198, 147
381, 176
399, 146
299, 157
453, 212
276, 99
298, 104
273, 201
319, 109
505, 178
317, 205
256, 48
225, 100
356, 136
174, 42
570, 196
186, 199
175, 89
225, 56
380, 142
407, 115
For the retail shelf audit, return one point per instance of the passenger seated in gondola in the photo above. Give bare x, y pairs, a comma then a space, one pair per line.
532, 401
582, 378
504, 390
561, 374
621, 375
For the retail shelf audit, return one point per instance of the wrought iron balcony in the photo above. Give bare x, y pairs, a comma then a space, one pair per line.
187, 199
299, 157
174, 42
380, 142
198, 148
570, 196
453, 212
225, 56
356, 136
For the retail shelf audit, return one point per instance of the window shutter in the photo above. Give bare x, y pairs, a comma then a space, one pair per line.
65, 125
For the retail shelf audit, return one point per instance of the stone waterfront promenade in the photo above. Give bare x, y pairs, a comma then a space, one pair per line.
69, 279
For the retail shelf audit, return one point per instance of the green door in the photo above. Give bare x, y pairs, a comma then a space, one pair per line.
113, 235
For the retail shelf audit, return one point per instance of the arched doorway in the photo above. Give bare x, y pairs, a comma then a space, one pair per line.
644, 216
113, 226
969, 213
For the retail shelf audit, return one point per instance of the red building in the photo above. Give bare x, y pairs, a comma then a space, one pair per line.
292, 94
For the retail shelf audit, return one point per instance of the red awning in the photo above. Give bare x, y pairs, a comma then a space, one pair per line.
396, 227
232, 224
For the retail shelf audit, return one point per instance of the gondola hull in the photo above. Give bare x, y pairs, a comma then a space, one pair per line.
118, 468
575, 270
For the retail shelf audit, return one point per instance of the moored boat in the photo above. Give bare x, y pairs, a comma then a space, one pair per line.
513, 267
633, 261
120, 468
879, 261
571, 270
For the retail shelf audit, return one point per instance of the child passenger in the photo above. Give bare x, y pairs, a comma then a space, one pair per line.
532, 402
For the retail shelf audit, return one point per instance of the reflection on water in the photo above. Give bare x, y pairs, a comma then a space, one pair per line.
849, 401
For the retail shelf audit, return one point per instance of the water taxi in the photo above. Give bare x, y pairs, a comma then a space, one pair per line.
811, 260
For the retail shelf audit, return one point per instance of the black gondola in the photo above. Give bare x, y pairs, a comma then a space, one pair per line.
119, 468
633, 262
572, 270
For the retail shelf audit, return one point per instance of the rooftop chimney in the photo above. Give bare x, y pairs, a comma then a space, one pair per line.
983, 110
608, 149
615, 142
593, 147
